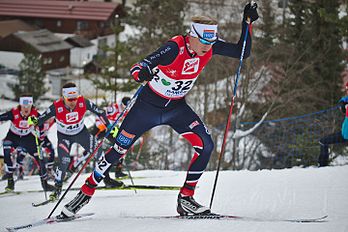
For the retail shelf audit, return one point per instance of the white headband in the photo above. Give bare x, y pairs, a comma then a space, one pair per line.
205, 31
71, 92
24, 101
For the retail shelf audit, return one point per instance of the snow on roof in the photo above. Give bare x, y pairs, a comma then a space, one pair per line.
43, 40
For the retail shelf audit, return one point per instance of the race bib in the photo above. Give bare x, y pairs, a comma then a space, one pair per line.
70, 129
168, 87
20, 131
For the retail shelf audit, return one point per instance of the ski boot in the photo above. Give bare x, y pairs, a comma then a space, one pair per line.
10, 184
111, 183
58, 189
70, 209
81, 199
188, 206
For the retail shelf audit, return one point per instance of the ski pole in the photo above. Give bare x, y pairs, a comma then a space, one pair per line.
228, 123
97, 148
38, 147
130, 176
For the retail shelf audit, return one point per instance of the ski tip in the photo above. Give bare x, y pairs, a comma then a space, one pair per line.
323, 217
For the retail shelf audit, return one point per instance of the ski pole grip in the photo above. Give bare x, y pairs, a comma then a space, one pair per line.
252, 4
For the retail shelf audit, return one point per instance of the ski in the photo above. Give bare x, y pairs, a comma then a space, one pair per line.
134, 178
125, 187
214, 216
48, 221
137, 187
142, 187
9, 193
42, 203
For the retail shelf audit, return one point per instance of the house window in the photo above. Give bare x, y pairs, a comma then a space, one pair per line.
59, 23
47, 60
82, 25
61, 59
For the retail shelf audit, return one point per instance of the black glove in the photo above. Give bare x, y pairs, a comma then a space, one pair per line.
250, 12
145, 74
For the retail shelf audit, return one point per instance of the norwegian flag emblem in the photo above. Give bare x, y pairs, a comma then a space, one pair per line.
190, 66
72, 117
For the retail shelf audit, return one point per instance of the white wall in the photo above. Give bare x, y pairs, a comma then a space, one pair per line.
11, 59
81, 56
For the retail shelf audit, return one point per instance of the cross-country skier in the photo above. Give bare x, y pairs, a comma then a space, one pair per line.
21, 136
69, 112
170, 72
337, 137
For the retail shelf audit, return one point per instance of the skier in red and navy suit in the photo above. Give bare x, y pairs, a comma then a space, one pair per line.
170, 72
69, 112
20, 137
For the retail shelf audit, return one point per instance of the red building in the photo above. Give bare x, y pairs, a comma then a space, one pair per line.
89, 19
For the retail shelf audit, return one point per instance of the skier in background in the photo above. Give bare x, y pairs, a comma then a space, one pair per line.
20, 137
337, 137
170, 73
69, 112
99, 130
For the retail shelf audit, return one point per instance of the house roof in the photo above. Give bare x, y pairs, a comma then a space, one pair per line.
8, 27
100, 11
43, 40
78, 41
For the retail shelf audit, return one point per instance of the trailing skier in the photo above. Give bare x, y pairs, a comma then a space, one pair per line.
21, 137
69, 112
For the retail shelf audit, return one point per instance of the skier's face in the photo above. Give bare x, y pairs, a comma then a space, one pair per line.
200, 48
25, 110
70, 102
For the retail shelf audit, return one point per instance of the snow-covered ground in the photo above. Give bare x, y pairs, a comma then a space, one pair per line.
272, 194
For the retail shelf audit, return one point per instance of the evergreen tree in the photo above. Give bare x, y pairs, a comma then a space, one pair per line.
311, 59
31, 77
156, 22
113, 63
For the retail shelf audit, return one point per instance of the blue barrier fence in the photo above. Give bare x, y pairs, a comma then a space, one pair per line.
294, 141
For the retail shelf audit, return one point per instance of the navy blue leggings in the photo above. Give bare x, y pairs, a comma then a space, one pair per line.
334, 138
26, 144
143, 116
